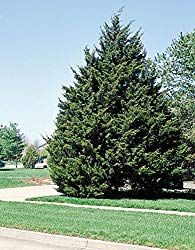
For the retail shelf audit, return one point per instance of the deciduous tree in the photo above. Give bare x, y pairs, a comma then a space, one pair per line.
176, 67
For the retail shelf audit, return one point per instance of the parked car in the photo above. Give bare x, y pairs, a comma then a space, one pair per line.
2, 163
42, 163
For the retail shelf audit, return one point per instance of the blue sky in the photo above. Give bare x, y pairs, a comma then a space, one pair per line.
40, 40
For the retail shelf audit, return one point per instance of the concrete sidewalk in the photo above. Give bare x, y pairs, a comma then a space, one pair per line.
22, 193
125, 209
14, 239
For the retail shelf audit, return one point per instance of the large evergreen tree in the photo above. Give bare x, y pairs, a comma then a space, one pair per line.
114, 126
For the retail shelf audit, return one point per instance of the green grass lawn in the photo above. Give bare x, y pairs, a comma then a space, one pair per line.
184, 205
166, 231
21, 177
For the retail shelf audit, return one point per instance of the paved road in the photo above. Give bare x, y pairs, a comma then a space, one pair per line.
14, 239
22, 193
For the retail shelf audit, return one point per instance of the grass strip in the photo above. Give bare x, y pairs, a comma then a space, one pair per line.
166, 231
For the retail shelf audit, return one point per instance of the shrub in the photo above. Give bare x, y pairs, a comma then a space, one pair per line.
30, 157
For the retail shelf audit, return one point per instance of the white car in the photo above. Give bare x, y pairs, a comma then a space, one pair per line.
41, 164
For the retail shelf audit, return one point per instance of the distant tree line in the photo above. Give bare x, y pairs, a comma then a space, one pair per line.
14, 148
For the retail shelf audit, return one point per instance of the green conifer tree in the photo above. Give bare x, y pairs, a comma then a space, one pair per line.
114, 126
11, 143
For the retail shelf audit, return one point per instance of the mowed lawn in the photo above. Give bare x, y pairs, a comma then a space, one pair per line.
183, 205
165, 231
22, 177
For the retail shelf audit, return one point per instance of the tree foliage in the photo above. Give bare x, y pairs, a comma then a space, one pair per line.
176, 68
30, 157
177, 75
11, 142
114, 126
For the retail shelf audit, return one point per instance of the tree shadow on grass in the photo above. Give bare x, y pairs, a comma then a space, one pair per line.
188, 194
6, 169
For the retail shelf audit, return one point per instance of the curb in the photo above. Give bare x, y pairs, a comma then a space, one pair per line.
75, 243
